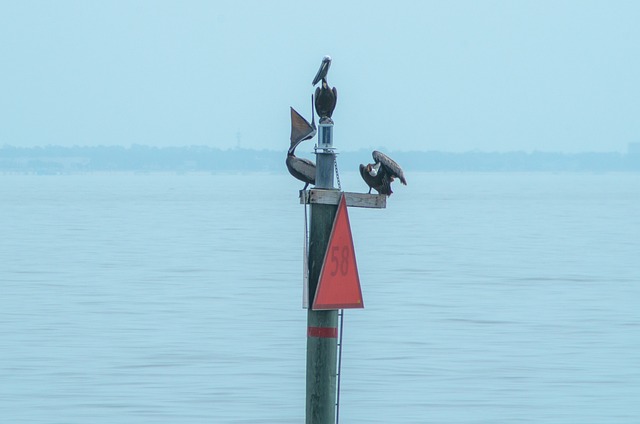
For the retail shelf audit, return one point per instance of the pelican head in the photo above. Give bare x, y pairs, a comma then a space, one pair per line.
324, 69
292, 149
373, 169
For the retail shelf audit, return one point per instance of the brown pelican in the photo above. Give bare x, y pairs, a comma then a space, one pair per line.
301, 168
380, 174
326, 97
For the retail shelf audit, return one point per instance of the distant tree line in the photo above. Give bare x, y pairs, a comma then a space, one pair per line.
138, 158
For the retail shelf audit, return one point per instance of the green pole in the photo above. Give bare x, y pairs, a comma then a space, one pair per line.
322, 326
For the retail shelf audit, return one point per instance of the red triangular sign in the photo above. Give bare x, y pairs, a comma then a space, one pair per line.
339, 283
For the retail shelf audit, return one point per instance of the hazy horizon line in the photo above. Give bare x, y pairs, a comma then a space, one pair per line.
631, 147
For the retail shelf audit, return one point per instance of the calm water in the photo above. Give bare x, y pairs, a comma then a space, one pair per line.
490, 298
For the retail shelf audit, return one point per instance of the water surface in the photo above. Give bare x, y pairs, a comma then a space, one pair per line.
161, 298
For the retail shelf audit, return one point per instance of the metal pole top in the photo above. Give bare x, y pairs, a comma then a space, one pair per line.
325, 156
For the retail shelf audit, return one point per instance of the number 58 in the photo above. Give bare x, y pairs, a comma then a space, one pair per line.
339, 260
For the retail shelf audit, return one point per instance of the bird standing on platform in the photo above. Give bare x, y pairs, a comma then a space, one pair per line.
326, 97
380, 174
301, 130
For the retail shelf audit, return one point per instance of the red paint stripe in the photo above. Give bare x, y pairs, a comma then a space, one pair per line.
322, 332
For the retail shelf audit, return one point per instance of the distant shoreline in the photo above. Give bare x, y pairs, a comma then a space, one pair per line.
52, 160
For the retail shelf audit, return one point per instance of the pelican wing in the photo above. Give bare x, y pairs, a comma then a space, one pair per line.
390, 166
335, 97
301, 129
302, 169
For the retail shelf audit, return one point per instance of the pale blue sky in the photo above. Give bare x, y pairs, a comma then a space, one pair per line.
451, 76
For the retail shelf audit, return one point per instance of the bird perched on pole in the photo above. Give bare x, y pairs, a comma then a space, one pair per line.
326, 97
301, 130
380, 174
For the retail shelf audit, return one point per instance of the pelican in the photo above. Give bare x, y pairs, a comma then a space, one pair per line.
301, 168
380, 174
326, 97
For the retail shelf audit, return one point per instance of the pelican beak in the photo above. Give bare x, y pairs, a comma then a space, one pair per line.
324, 69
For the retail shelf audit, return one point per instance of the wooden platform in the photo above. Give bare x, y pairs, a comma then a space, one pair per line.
332, 197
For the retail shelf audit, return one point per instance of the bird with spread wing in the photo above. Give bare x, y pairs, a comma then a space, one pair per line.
380, 174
